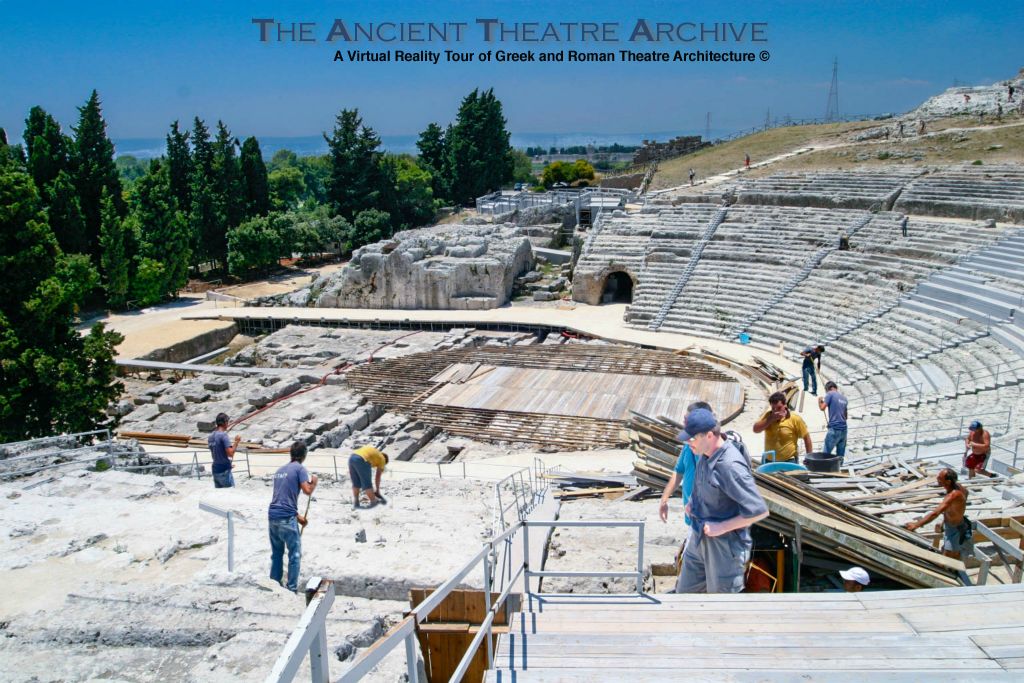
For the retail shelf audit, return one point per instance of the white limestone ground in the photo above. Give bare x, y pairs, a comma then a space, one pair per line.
119, 576
323, 416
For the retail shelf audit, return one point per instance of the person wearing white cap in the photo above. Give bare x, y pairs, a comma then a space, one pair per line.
854, 579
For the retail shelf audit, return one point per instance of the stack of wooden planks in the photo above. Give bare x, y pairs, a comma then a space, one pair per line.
819, 519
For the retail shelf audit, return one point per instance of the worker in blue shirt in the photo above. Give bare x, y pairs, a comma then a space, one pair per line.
686, 468
724, 504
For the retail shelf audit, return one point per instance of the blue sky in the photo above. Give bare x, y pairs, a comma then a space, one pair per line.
156, 62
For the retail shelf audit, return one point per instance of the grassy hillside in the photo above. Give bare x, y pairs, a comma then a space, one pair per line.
948, 141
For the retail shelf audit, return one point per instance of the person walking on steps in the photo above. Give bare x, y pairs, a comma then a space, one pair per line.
360, 466
693, 174
222, 448
725, 504
684, 472
746, 161
979, 448
811, 356
284, 518
835, 403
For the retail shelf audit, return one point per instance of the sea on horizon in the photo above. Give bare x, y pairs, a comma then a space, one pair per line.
313, 145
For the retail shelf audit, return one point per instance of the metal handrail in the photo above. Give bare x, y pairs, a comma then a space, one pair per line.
993, 371
310, 633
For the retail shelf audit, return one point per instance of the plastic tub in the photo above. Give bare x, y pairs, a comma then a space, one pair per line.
771, 467
822, 462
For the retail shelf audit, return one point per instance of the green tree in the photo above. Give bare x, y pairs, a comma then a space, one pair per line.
355, 182
11, 156
228, 179
255, 180
115, 258
52, 379
287, 187
48, 149
481, 158
149, 282
435, 159
522, 167
93, 163
256, 244
413, 205
179, 167
163, 230
207, 223
370, 226
65, 214
130, 168
582, 170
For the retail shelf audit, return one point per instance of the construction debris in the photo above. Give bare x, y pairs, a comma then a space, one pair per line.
811, 517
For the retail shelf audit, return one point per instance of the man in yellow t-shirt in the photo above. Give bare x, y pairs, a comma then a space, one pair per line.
360, 466
783, 429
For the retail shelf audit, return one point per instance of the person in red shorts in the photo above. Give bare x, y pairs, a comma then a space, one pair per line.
979, 447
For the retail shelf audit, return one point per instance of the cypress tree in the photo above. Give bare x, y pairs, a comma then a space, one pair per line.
47, 148
255, 179
93, 162
179, 167
481, 158
11, 156
434, 158
65, 215
206, 224
162, 228
52, 379
355, 176
228, 180
115, 259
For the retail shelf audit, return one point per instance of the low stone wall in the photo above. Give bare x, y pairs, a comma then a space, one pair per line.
196, 346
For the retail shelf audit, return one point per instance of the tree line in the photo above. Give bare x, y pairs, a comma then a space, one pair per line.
79, 230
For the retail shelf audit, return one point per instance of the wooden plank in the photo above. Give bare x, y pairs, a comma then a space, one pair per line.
636, 674
731, 663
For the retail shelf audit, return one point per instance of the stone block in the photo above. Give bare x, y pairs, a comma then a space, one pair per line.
144, 413
544, 296
171, 404
217, 384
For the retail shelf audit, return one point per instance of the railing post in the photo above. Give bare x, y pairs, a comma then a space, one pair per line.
526, 565
640, 562
487, 603
335, 459
411, 668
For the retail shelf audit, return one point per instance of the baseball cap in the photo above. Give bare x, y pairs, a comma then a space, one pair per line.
975, 425
697, 422
856, 574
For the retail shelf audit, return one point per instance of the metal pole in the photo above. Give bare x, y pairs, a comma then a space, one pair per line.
411, 665
248, 468
487, 603
335, 459
526, 566
640, 562
231, 541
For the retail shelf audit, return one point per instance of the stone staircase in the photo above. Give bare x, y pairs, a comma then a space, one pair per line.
684, 276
